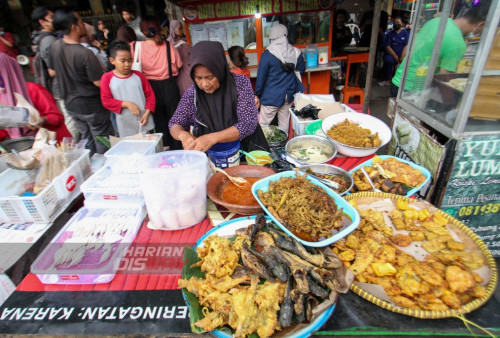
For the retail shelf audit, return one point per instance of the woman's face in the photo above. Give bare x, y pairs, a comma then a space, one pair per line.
100, 25
205, 80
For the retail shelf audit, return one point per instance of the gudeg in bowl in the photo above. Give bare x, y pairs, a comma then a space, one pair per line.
349, 210
363, 120
310, 149
217, 182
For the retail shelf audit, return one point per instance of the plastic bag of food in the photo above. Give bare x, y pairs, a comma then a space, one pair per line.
52, 163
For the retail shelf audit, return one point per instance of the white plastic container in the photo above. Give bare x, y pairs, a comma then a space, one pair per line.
174, 188
45, 206
126, 153
102, 254
299, 125
113, 189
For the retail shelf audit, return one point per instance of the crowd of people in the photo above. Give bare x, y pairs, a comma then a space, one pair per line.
149, 79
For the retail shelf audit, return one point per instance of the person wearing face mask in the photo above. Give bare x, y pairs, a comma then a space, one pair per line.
395, 42
469, 19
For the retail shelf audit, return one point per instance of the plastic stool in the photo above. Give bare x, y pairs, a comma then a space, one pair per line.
347, 93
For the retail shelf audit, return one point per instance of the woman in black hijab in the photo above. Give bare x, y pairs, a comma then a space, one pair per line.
220, 105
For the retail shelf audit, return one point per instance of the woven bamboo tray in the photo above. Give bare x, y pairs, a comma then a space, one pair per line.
456, 225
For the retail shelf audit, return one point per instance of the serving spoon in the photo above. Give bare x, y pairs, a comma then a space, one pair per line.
370, 180
238, 181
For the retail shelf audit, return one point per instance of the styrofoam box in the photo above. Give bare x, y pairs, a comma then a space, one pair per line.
299, 125
89, 270
45, 206
112, 188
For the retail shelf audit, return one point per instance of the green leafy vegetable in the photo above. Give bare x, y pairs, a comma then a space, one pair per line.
195, 313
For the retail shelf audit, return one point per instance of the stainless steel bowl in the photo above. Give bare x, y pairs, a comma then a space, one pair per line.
18, 144
328, 169
279, 144
306, 141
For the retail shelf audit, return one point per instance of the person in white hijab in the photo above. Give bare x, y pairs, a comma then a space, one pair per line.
277, 80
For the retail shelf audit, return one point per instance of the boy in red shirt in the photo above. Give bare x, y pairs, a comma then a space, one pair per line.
127, 93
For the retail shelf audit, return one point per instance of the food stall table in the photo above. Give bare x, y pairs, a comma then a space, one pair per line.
145, 283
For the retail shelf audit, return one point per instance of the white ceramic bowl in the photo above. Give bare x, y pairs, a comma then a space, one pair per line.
365, 121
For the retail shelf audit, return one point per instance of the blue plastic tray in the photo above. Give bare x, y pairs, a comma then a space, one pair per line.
263, 184
423, 170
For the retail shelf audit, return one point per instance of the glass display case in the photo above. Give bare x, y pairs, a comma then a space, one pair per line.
234, 32
303, 28
451, 78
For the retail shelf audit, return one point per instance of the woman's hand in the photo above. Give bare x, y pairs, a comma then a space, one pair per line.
106, 33
204, 142
187, 140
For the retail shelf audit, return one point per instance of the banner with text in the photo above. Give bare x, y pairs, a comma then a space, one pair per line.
472, 194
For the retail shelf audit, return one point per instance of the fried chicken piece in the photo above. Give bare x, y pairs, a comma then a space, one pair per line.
401, 240
477, 277
353, 241
433, 246
378, 236
439, 219
366, 228
465, 298
478, 291
372, 246
383, 269
402, 204
404, 302
211, 321
426, 272
432, 304
347, 255
417, 236
403, 259
470, 259
361, 262
376, 218
340, 244
388, 254
454, 245
397, 219
458, 279
410, 283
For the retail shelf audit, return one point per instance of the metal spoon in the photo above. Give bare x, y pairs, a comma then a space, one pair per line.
370, 180
333, 185
239, 181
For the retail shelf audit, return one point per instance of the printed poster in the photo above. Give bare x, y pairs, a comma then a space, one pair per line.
235, 34
218, 32
198, 33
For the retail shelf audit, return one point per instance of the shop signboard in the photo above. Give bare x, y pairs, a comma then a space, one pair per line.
472, 192
199, 11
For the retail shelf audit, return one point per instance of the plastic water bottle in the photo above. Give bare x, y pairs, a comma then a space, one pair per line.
421, 74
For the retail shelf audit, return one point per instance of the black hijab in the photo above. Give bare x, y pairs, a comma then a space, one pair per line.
216, 111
